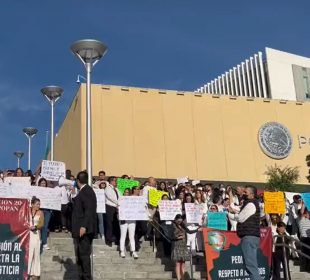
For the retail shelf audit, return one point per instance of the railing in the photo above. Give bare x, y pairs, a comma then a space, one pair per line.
158, 227
284, 246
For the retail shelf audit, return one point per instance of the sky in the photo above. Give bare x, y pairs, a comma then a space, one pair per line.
165, 44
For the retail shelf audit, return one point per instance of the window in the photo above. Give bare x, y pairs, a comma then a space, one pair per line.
305, 81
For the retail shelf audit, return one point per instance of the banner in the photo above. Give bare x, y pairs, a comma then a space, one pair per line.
155, 196
14, 238
306, 199
217, 220
123, 184
100, 195
17, 181
182, 180
193, 213
133, 208
168, 209
50, 198
274, 202
224, 256
53, 170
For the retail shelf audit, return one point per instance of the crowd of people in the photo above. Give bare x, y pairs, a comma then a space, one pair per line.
243, 206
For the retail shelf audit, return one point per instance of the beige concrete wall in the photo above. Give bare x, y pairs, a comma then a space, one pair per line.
172, 134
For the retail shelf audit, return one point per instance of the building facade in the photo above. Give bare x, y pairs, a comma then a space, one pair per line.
170, 134
274, 74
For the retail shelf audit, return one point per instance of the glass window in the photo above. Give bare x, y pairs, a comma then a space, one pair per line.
305, 81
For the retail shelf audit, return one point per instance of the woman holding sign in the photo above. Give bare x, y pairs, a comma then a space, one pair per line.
180, 253
129, 226
36, 223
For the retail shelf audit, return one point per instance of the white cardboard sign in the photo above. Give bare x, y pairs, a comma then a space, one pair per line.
193, 213
53, 170
133, 208
100, 195
168, 209
17, 181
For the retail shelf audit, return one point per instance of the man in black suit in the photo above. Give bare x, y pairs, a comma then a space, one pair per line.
84, 225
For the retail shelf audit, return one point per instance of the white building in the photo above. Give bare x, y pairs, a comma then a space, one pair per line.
275, 74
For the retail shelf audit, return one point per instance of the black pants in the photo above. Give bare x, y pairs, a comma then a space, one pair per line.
112, 225
304, 262
277, 260
83, 251
66, 216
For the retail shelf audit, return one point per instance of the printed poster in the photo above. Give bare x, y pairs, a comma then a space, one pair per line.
14, 238
224, 258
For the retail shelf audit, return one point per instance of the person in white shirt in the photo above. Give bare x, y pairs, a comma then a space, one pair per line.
112, 195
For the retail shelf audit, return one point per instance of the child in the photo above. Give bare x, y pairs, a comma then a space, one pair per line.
277, 255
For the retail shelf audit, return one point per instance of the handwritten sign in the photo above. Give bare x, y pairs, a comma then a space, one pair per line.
53, 170
193, 213
182, 180
155, 196
274, 202
50, 198
168, 209
306, 199
100, 195
17, 181
133, 208
123, 184
217, 220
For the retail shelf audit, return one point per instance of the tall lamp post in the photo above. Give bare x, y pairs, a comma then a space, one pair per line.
19, 155
89, 52
30, 132
52, 94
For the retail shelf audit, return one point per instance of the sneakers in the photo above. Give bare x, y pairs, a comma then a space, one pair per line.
123, 254
135, 255
45, 247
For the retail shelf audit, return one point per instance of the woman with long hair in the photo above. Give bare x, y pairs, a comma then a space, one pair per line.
180, 253
36, 223
130, 227
18, 172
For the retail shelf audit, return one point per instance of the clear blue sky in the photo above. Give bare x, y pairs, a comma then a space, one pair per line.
169, 44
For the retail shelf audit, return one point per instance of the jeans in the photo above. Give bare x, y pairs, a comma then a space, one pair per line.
47, 215
101, 223
249, 247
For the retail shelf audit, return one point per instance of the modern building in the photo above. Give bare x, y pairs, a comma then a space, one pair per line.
274, 74
170, 134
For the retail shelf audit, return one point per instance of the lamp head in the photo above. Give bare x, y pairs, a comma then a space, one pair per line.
30, 131
89, 50
19, 154
52, 92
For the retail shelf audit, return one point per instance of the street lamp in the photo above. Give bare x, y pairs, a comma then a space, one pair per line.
52, 94
30, 132
19, 155
89, 52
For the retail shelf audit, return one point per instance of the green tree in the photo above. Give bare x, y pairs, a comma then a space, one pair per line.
281, 179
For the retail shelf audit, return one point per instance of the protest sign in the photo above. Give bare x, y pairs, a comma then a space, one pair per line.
17, 181
182, 180
123, 184
289, 196
14, 238
53, 170
100, 195
306, 199
168, 209
133, 208
274, 202
217, 220
155, 196
193, 213
50, 198
224, 258
195, 182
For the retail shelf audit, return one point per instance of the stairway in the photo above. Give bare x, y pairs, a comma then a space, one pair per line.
59, 262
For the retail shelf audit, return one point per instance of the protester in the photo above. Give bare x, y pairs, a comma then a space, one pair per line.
130, 227
84, 225
304, 229
248, 229
19, 172
180, 253
112, 195
47, 216
35, 224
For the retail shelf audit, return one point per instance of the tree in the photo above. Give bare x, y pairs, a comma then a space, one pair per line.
281, 179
